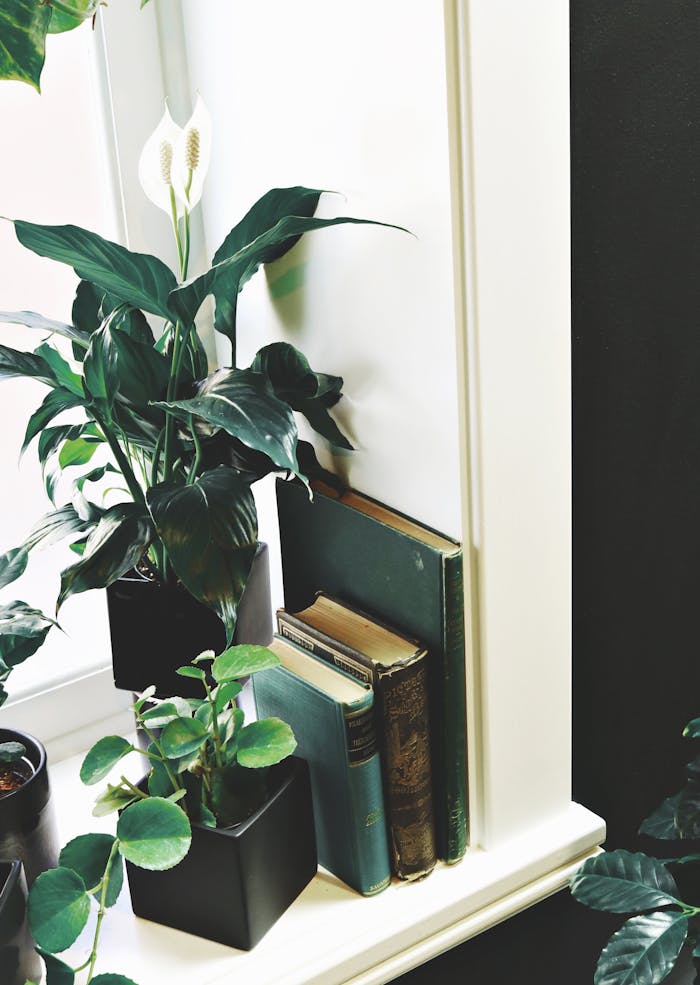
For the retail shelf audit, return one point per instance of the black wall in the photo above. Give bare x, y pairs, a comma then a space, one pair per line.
636, 438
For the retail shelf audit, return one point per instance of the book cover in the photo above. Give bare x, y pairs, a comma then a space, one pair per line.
396, 667
408, 575
332, 717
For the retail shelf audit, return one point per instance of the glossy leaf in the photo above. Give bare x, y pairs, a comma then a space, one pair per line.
182, 736
33, 320
688, 810
53, 404
61, 369
103, 757
141, 280
57, 971
154, 834
294, 382
118, 367
241, 661
662, 822
643, 951
23, 28
62, 22
210, 532
266, 213
12, 565
624, 882
264, 743
226, 692
692, 729
107, 978
92, 305
10, 752
160, 714
22, 632
114, 546
52, 527
243, 404
226, 277
14, 363
77, 451
88, 855
193, 672
58, 909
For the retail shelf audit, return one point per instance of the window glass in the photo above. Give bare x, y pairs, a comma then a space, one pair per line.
52, 170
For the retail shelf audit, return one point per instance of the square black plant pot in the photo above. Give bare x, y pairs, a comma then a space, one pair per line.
18, 959
235, 883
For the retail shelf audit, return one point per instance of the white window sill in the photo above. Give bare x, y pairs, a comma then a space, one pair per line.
331, 935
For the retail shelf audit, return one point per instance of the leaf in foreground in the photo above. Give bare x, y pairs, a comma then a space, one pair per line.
154, 834
58, 909
643, 951
264, 743
88, 856
103, 756
624, 882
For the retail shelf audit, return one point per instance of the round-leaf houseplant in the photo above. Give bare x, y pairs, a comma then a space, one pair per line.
186, 825
646, 948
182, 445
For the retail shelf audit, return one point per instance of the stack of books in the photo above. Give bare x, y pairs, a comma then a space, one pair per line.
371, 643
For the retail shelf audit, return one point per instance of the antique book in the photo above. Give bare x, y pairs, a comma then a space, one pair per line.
332, 716
408, 576
396, 668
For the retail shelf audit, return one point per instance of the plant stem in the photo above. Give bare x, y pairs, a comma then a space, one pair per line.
134, 789
66, 8
197, 453
186, 249
175, 785
101, 911
176, 225
124, 464
216, 734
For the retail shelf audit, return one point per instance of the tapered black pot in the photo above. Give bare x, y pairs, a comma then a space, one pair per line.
27, 825
235, 883
156, 628
18, 959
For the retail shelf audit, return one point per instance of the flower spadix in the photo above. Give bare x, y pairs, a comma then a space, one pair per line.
175, 160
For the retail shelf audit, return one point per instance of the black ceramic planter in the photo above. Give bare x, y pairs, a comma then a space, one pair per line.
235, 883
27, 828
156, 628
18, 959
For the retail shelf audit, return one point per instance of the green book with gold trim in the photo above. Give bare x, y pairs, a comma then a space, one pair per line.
408, 576
332, 717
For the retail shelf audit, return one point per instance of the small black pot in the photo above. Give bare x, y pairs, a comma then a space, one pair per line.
156, 628
235, 883
18, 959
27, 827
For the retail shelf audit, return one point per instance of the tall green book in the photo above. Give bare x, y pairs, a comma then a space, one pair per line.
332, 716
407, 575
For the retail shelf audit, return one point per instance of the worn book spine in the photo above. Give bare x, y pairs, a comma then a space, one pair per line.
403, 718
339, 743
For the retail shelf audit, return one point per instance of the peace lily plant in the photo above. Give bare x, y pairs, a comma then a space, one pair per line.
181, 445
205, 767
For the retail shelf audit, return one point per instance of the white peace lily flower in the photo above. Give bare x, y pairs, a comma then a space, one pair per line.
175, 160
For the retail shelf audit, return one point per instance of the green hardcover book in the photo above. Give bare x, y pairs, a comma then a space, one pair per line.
397, 669
332, 716
407, 575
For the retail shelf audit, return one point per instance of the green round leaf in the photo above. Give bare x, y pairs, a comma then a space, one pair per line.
194, 672
265, 742
58, 909
57, 971
182, 736
154, 834
624, 882
692, 729
103, 756
11, 751
161, 714
88, 856
643, 951
242, 661
225, 693
109, 979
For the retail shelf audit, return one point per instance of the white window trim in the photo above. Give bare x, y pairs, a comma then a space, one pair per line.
509, 128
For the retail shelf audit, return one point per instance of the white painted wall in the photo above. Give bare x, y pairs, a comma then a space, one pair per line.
351, 99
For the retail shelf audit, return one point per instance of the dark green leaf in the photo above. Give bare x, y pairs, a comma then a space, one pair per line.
241, 661
22, 632
692, 729
109, 979
15, 363
154, 834
294, 382
12, 565
57, 971
182, 736
236, 793
160, 714
662, 823
53, 404
33, 320
10, 752
210, 533
103, 757
225, 278
61, 22
141, 280
60, 367
118, 367
688, 810
243, 404
88, 855
266, 213
624, 882
58, 909
115, 545
23, 28
643, 951
264, 743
